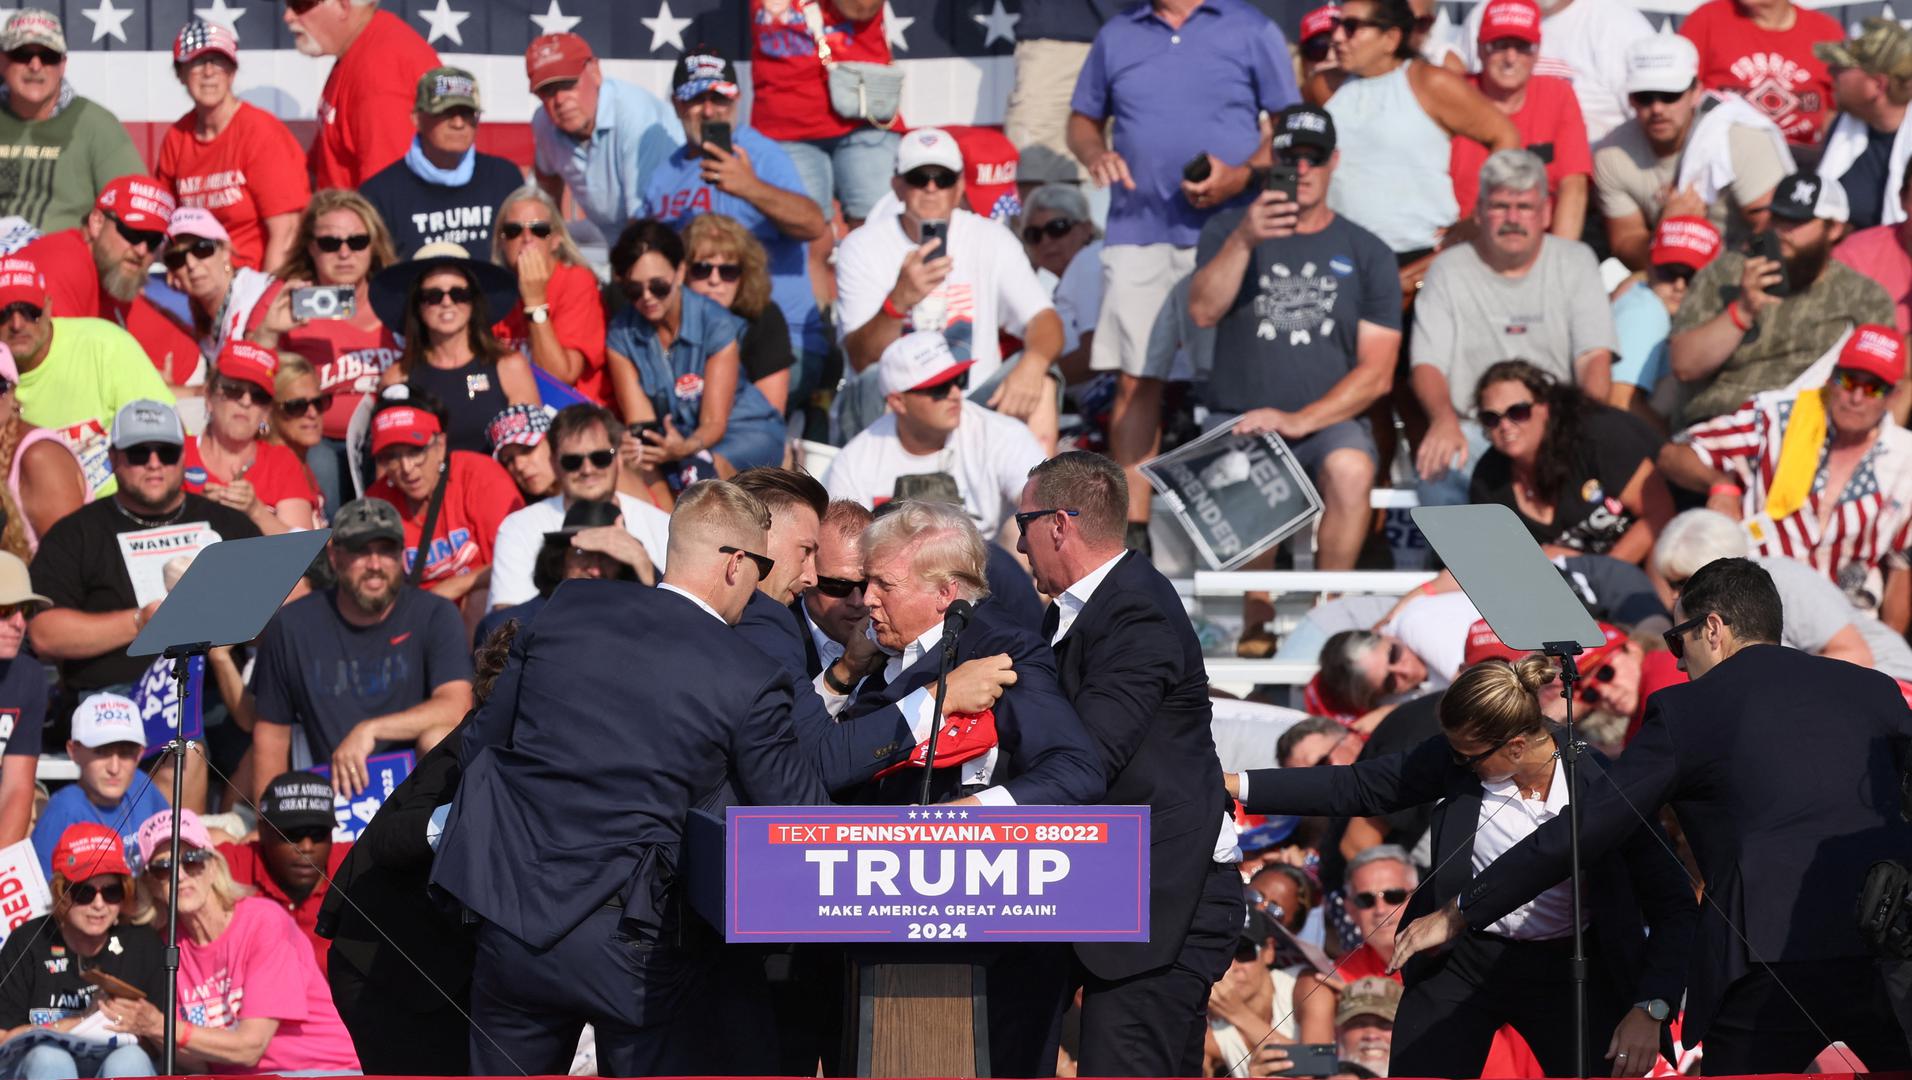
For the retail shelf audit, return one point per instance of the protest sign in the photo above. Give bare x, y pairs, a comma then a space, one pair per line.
1235, 495
157, 696
23, 890
385, 772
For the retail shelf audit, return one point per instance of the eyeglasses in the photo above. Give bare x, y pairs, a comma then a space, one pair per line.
1054, 229
246, 392
1640, 99
658, 287
1519, 45
511, 230
83, 893
317, 834
331, 244
1024, 519
764, 562
192, 860
1519, 413
1468, 761
941, 390
144, 453
700, 270
29, 312
306, 406
200, 249
150, 239
837, 588
26, 54
927, 175
599, 459
1675, 637
1366, 900
457, 294
24, 610
1865, 384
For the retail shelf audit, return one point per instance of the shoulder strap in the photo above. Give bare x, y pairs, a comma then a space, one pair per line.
431, 521
813, 20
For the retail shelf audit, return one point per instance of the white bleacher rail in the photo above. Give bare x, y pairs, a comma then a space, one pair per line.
1369, 582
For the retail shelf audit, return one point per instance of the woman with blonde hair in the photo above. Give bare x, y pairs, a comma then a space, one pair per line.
1496, 768
298, 415
558, 323
46, 478
730, 266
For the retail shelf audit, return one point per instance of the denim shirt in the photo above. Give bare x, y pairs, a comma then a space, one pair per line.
674, 380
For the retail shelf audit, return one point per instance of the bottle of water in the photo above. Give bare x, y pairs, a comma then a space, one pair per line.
1404, 538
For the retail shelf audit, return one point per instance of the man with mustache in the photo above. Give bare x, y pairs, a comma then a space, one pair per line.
365, 110
1750, 324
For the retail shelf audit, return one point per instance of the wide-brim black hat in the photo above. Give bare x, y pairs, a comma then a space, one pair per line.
392, 286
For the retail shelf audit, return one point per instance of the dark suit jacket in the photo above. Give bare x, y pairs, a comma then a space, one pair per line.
620, 707
1045, 756
812, 660
1635, 887
844, 754
1133, 668
1782, 767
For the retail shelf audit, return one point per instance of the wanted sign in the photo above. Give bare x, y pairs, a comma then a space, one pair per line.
1236, 495
147, 551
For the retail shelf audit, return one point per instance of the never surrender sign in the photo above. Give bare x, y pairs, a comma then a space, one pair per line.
937, 873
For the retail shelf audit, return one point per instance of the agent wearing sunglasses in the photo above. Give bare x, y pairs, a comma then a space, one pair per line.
444, 190
91, 886
294, 860
231, 462
558, 321
89, 140
1496, 767
1834, 508
97, 611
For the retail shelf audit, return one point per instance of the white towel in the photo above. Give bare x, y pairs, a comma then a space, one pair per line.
1847, 140
1706, 162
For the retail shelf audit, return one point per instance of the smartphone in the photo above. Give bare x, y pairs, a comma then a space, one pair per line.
1314, 1059
1197, 169
1766, 246
717, 133
113, 985
937, 231
1283, 178
638, 429
324, 302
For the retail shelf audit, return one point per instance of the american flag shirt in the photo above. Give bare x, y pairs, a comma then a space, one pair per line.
1865, 529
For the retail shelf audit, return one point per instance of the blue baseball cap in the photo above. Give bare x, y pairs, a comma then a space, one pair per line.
1272, 832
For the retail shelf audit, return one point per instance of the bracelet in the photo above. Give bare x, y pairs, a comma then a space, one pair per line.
1732, 312
894, 312
1725, 488
830, 680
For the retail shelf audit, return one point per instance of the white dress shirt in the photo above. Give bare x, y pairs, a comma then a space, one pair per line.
828, 651
1507, 818
711, 611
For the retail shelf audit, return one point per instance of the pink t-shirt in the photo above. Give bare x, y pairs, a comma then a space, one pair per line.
262, 966
1877, 253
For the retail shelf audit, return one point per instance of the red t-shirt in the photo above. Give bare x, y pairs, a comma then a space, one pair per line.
74, 284
365, 110
248, 867
251, 172
1549, 118
577, 314
349, 359
791, 99
1773, 69
478, 497
1658, 670
276, 474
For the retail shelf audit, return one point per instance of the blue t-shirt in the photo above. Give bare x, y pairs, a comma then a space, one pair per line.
677, 193
1641, 325
674, 379
69, 806
23, 694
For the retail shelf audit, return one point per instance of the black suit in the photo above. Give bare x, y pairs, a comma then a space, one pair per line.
1131, 664
621, 706
1782, 768
1639, 907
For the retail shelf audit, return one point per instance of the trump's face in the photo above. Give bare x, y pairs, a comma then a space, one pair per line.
902, 605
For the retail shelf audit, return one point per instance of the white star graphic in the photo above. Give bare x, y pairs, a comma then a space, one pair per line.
555, 21
666, 28
997, 25
962, 814
444, 23
227, 17
895, 26
912, 815
108, 20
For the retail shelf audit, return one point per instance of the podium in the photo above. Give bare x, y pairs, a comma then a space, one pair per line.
917, 898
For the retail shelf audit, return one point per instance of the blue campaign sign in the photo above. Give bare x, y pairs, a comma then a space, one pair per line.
937, 873
157, 695
387, 771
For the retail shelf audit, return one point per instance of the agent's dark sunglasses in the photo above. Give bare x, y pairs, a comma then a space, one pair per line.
306, 406
1519, 413
246, 392
837, 588
83, 893
511, 230
1675, 637
599, 459
921, 178
1029, 517
150, 239
144, 453
941, 390
700, 271
1468, 761
659, 288
764, 562
26, 54
191, 859
200, 249
331, 244
1054, 229
29, 312
1366, 900
457, 294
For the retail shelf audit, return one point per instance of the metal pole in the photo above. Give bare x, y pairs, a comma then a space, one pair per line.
181, 657
936, 715
1570, 753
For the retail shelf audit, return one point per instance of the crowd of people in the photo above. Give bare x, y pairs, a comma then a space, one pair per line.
1650, 291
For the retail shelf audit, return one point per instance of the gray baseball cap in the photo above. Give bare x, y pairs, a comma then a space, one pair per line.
147, 421
362, 521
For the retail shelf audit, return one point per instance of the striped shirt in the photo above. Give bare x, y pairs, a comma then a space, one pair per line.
1865, 526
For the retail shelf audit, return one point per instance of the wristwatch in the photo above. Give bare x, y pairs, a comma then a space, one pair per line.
1655, 1008
539, 314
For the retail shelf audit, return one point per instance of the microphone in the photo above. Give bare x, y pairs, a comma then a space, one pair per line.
957, 617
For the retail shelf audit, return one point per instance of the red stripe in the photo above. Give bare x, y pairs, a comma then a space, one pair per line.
509, 141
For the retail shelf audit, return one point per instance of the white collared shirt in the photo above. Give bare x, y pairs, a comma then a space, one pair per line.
711, 611
1507, 818
828, 651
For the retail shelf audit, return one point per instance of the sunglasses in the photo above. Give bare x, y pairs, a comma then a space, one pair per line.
300, 7
599, 459
246, 392
1054, 229
1590, 694
1675, 637
26, 54
192, 860
1642, 98
1317, 48
317, 834
941, 390
1352, 25
457, 294
1024, 519
699, 271
1468, 761
921, 178
837, 588
1673, 272
144, 453
1518, 45
1392, 683
25, 611
658, 287
1865, 384
200, 249
331, 244
83, 893
29, 312
306, 406
1315, 157
1519, 413
764, 562
1366, 900
150, 239
511, 230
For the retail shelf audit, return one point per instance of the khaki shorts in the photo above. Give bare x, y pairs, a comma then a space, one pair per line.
1137, 280
1038, 117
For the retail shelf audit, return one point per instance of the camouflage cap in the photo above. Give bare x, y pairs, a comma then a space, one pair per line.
1882, 47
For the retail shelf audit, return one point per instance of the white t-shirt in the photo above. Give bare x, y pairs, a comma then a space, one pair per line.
521, 534
1079, 295
989, 454
1435, 627
1585, 44
991, 285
